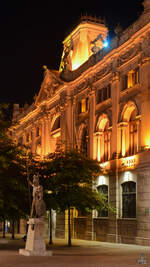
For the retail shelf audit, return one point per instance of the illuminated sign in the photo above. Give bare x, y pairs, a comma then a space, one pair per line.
129, 162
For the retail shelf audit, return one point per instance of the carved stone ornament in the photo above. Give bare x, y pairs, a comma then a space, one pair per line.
50, 84
131, 53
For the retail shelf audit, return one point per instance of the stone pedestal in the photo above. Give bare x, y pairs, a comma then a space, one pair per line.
35, 244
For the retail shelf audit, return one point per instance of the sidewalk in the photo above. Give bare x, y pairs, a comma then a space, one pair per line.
81, 254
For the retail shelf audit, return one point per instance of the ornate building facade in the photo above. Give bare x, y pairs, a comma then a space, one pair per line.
99, 102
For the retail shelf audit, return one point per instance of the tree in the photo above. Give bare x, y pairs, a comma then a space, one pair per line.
71, 179
13, 185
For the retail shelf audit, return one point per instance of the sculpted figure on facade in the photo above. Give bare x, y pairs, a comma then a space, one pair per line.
66, 58
50, 85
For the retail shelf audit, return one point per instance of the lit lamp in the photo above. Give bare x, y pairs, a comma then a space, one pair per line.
147, 147
105, 43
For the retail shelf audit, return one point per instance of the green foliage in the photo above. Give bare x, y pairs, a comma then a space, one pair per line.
13, 185
70, 176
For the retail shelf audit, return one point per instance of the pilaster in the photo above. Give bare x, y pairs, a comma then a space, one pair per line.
33, 146
91, 122
42, 122
47, 120
145, 102
115, 92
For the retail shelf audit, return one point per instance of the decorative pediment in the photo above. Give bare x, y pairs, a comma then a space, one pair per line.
49, 86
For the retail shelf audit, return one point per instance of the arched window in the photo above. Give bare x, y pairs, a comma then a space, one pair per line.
129, 200
103, 189
129, 130
103, 139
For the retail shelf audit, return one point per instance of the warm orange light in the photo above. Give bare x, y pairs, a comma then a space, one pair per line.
83, 105
98, 153
130, 79
147, 140
79, 43
147, 147
38, 150
104, 165
129, 162
79, 58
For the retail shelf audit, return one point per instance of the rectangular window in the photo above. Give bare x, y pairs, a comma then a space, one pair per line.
130, 79
83, 105
129, 200
124, 82
103, 189
99, 96
104, 94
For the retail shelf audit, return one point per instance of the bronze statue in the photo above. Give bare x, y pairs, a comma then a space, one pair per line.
38, 204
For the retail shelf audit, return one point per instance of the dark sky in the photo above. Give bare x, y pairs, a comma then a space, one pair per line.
32, 32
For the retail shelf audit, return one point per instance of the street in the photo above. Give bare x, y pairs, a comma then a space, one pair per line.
81, 254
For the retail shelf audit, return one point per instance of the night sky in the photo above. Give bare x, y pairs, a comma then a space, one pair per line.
32, 33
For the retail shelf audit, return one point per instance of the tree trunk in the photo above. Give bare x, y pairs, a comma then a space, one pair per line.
18, 226
4, 223
13, 229
50, 228
69, 228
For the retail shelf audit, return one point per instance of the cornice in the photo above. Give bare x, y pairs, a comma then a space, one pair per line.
130, 44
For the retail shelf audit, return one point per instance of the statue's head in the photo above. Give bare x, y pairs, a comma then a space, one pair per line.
36, 179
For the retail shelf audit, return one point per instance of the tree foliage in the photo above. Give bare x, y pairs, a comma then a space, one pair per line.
13, 185
70, 176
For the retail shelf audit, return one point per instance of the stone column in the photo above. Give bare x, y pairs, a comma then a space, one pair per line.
123, 140
115, 146
145, 102
91, 122
126, 137
47, 134
63, 127
115, 92
68, 122
33, 146
74, 132
98, 147
109, 145
138, 136
42, 137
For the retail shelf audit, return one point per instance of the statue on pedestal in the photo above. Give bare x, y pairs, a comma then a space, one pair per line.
35, 243
38, 204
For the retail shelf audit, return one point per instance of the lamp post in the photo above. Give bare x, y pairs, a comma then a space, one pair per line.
50, 223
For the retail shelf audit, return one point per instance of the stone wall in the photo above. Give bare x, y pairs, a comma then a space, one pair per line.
127, 231
83, 228
60, 226
100, 229
143, 207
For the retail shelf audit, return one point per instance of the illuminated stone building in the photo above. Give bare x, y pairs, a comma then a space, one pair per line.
99, 101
